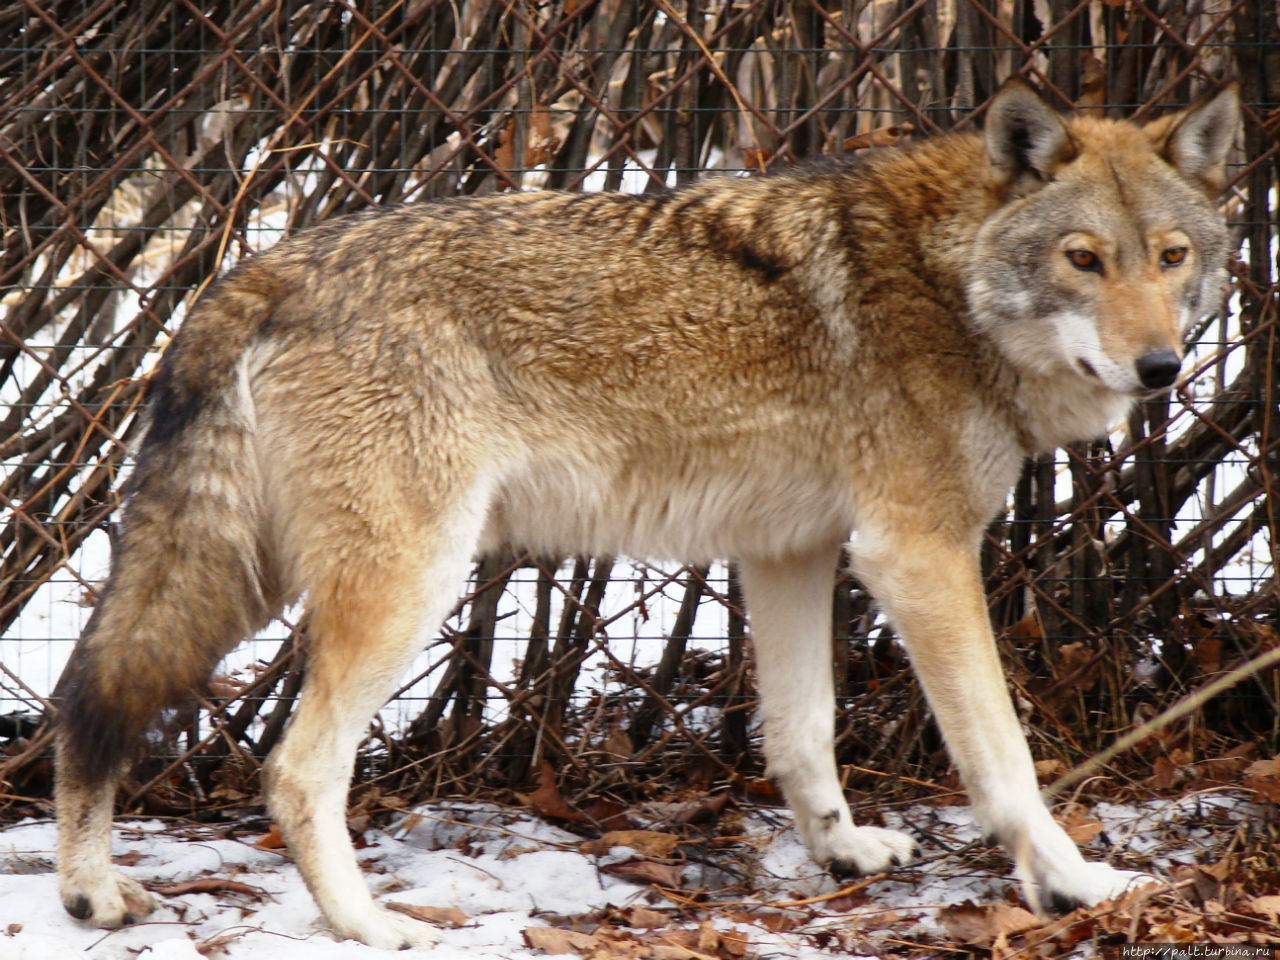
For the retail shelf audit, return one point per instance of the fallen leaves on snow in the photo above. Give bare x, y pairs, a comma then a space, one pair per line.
440, 916
607, 942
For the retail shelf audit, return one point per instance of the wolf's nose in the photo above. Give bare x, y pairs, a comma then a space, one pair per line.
1158, 369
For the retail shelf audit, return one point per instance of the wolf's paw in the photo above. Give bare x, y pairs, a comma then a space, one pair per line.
387, 931
849, 851
1053, 872
1085, 884
109, 900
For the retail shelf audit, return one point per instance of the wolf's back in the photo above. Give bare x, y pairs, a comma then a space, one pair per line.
187, 581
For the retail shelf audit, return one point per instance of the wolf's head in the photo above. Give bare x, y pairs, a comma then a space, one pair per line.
1104, 244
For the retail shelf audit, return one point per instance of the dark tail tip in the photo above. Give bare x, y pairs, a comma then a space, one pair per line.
102, 714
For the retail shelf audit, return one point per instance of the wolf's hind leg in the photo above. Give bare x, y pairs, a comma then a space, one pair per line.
368, 622
90, 887
789, 605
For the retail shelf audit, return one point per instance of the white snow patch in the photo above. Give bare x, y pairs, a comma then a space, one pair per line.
508, 871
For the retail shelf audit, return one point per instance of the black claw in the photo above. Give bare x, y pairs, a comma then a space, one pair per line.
843, 868
80, 907
912, 854
1061, 903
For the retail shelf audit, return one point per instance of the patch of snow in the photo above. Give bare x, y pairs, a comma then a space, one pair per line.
508, 871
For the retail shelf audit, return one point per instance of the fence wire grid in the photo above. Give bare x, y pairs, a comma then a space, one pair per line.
144, 147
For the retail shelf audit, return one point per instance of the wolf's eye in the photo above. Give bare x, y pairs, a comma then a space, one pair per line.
1173, 257
1085, 260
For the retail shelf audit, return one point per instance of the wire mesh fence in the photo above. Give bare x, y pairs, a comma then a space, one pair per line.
146, 146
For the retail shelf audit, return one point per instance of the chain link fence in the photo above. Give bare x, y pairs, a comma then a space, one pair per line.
146, 146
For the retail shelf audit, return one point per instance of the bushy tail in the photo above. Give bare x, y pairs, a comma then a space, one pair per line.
186, 583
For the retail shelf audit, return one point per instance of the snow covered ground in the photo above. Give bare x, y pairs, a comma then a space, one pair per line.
509, 873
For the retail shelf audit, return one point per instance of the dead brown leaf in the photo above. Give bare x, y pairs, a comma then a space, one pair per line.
1029, 626
1077, 663
759, 788
982, 924
1212, 881
1048, 771
209, 885
1264, 768
1268, 906
1064, 931
216, 946
1264, 777
848, 901
229, 794
647, 871
1080, 827
708, 937
776, 922
1093, 81
652, 843
703, 811
550, 802
555, 940
1163, 771
271, 840
1229, 768
1220, 871
541, 140
1208, 654
664, 951
607, 815
644, 917
1172, 932
734, 943
618, 744
440, 916
678, 943
547, 799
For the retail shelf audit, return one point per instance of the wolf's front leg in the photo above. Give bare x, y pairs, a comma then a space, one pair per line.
931, 588
789, 604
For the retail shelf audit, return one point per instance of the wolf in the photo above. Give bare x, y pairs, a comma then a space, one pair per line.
760, 368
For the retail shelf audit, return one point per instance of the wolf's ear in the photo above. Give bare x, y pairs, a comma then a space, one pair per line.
1197, 139
1026, 139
